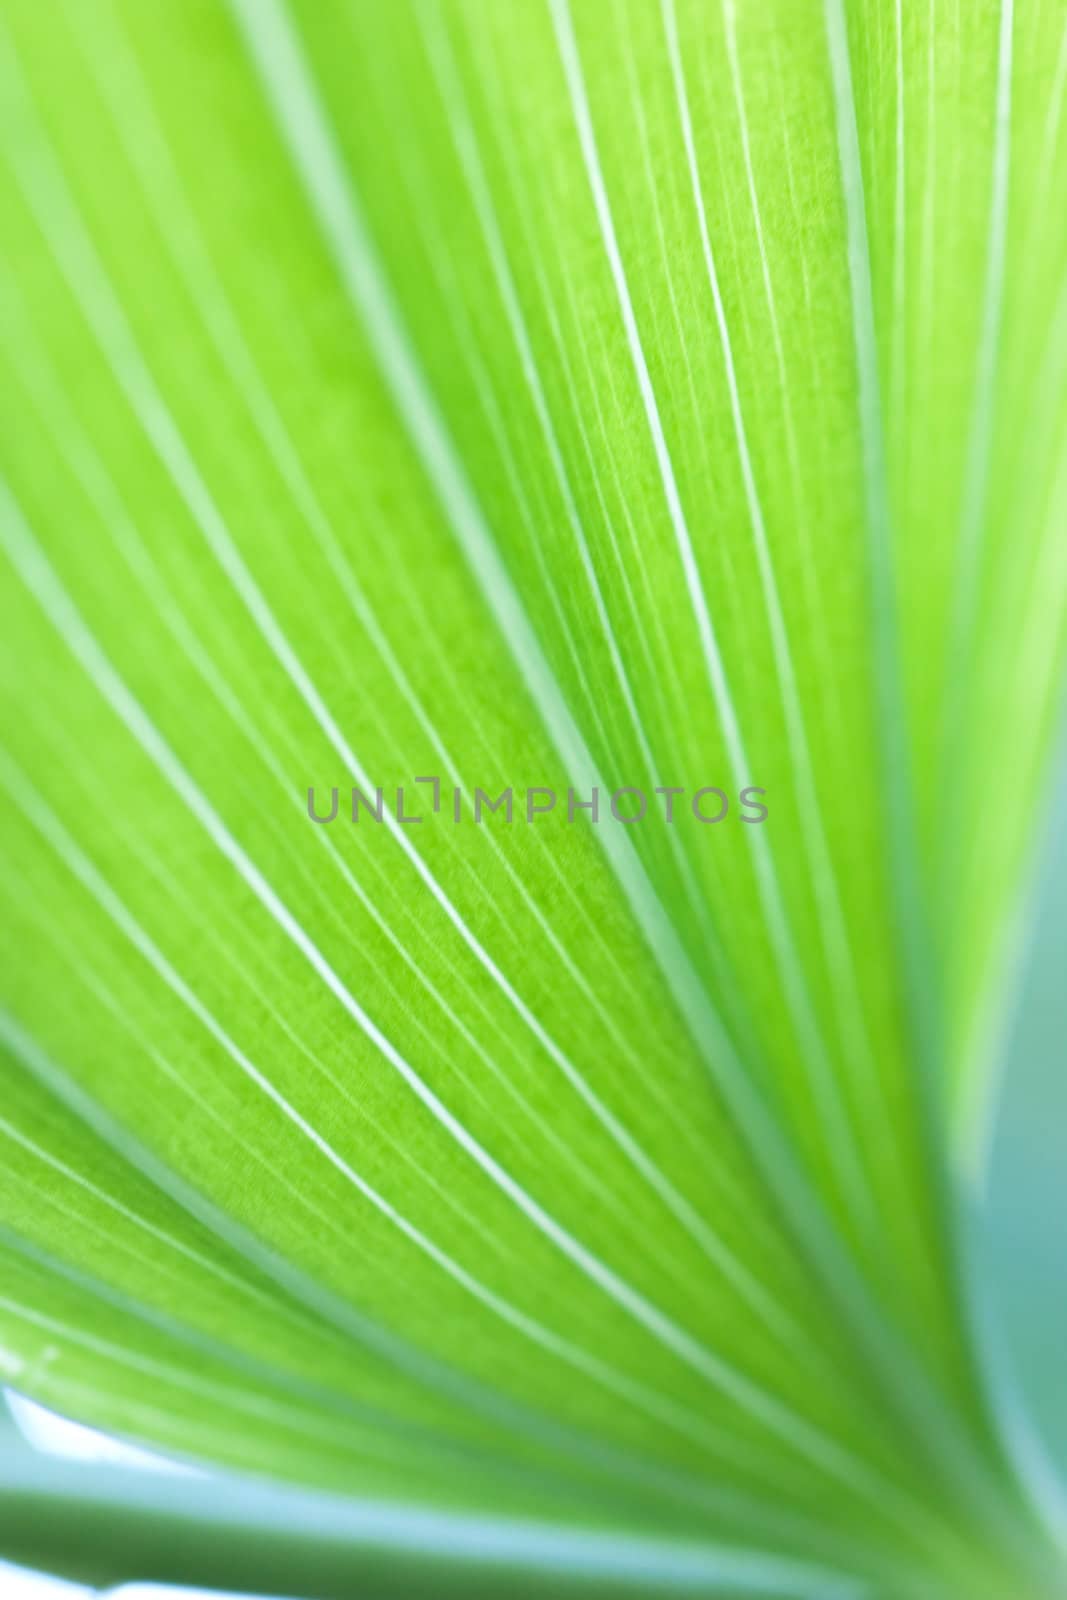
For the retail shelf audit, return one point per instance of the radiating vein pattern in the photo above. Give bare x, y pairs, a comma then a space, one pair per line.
564, 398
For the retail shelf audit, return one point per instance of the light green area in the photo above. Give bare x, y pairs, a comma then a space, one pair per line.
627, 394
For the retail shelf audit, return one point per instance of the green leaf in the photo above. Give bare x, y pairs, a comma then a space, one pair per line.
543, 398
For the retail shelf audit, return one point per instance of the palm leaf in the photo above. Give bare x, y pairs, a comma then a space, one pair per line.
553, 399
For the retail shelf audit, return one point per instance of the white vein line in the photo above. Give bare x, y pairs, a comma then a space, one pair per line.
315, 513
288, 87
275, 50
832, 1109
572, 70
285, 79
48, 826
927, 253
160, 1235
353, 1324
819, 641
857, 1039
325, 1222
817, 449
284, 76
654, 180
598, 451
682, 1210
773, 1154
533, 521
546, 859
1054, 117
222, 1394
11, 1035
466, 146
211, 936
726, 987
225, 1118
547, 856
1045, 170
665, 1566
533, 518
770, 1412
110, 327
916, 953
972, 531
898, 390
337, 1315
443, 63
612, 1203
697, 901
1036, 661
312, 1404
571, 63
105, 496
798, 999
319, 1398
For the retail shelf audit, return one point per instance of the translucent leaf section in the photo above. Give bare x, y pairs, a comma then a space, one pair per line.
643, 421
